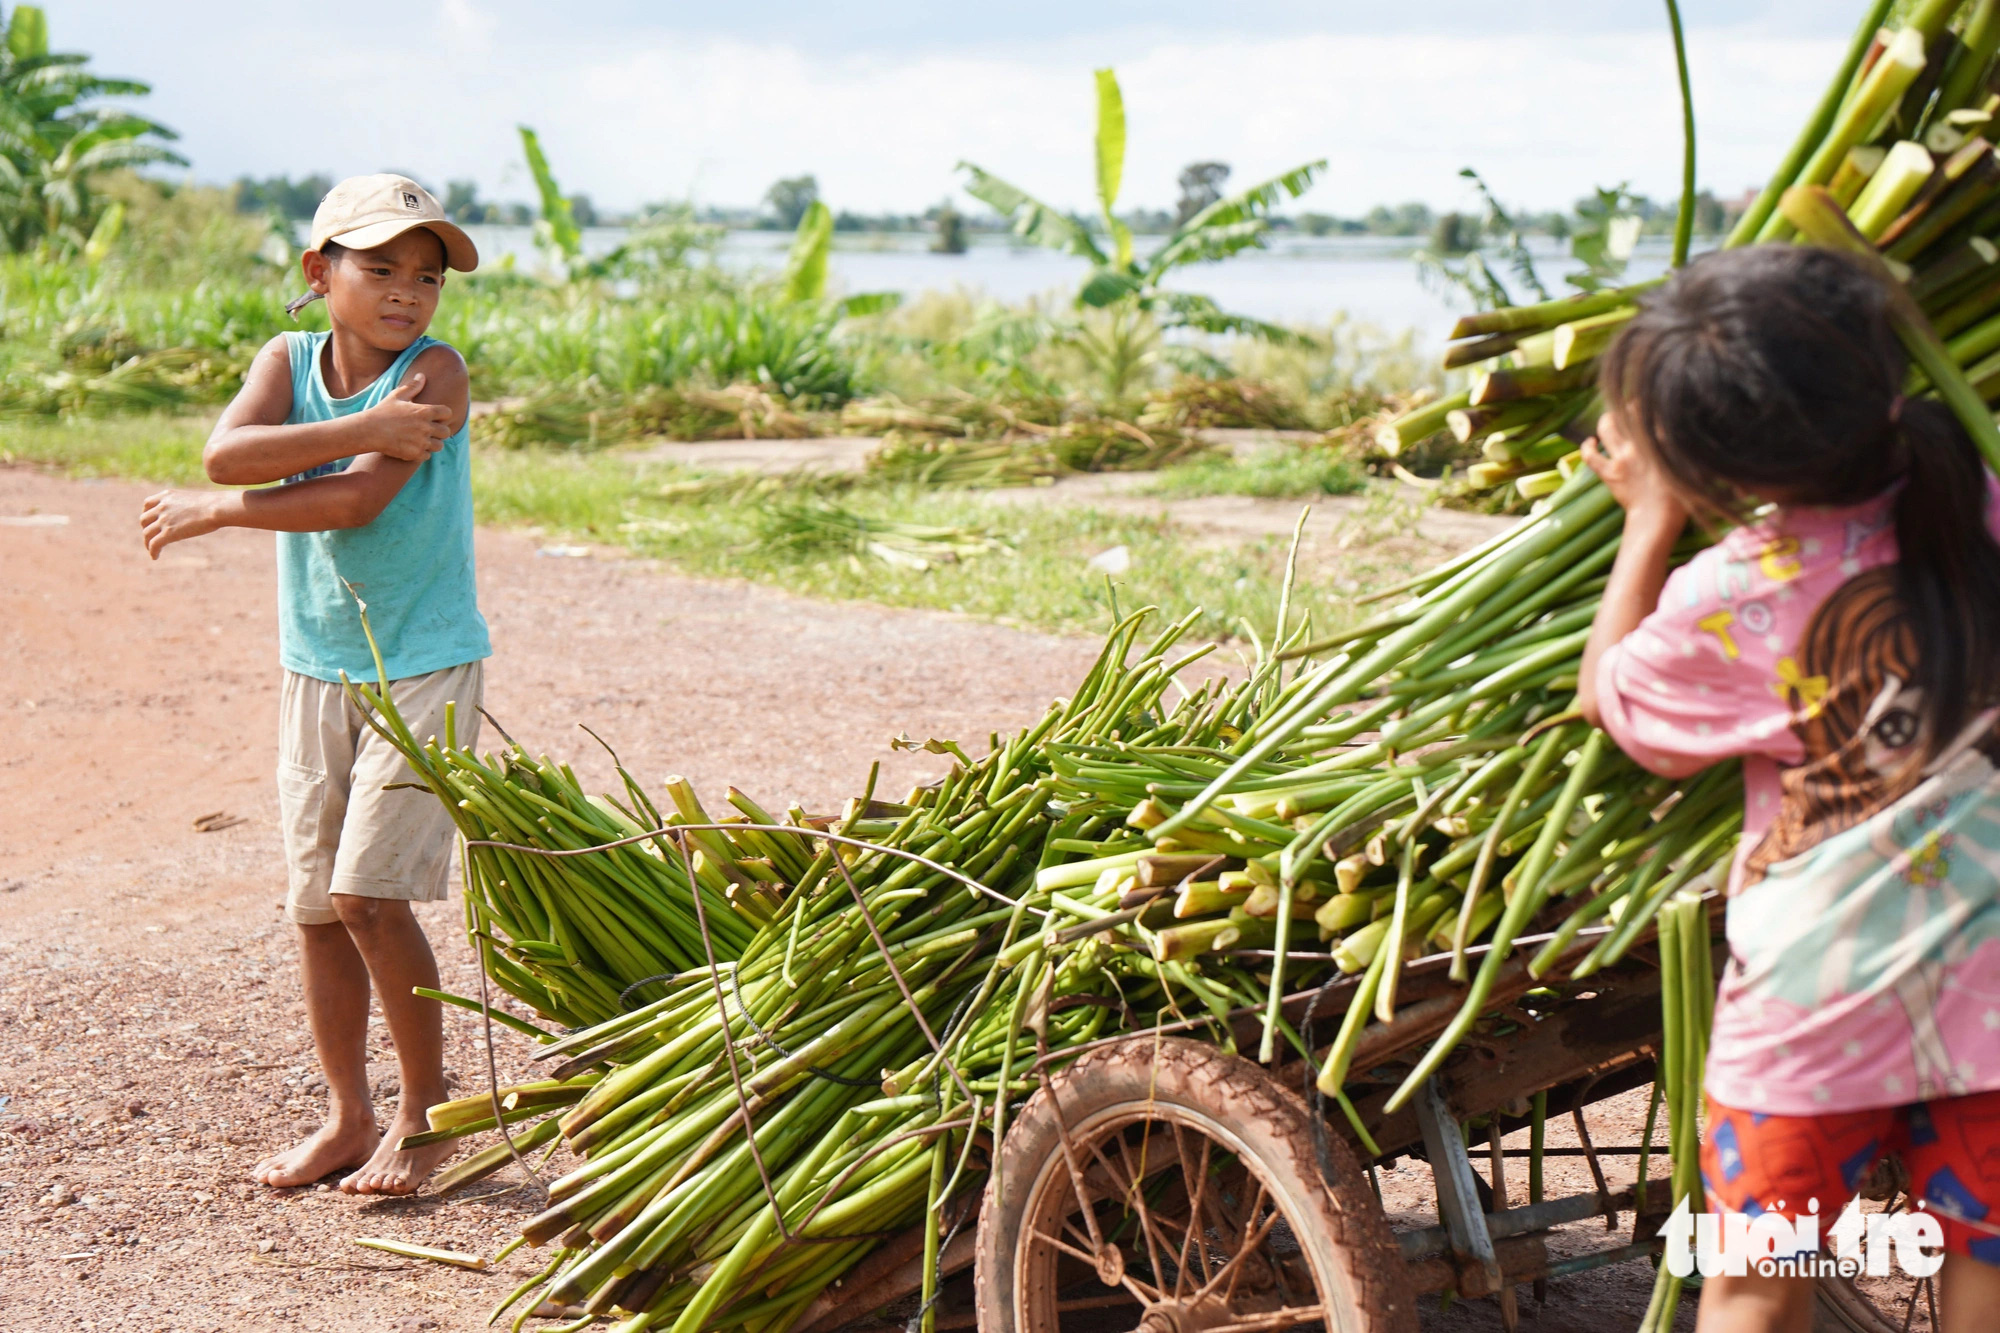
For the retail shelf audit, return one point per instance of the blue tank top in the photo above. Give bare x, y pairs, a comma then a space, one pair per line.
412, 565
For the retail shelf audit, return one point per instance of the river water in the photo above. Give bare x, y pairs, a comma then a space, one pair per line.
1298, 280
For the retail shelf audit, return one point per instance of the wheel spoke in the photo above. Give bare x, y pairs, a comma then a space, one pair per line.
1194, 1234
1231, 1234
1224, 1222
1144, 1292
1233, 1270
1136, 1200
1067, 1248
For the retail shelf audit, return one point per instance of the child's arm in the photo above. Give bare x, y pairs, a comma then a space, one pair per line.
348, 499
252, 445
1630, 595
1654, 520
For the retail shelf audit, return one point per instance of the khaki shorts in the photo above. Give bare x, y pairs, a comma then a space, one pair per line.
343, 832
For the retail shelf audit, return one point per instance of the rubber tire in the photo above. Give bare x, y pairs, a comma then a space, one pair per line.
1339, 1223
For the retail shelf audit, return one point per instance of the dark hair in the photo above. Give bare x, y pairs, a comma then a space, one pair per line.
331, 251
1776, 367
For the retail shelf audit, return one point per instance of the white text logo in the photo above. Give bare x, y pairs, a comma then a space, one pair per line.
1733, 1244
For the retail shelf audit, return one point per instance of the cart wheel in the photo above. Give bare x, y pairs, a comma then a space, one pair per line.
1155, 1134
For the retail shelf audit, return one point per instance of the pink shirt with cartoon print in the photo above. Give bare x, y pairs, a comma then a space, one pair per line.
1864, 917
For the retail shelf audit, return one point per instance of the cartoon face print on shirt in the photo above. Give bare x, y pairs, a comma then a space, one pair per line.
1853, 712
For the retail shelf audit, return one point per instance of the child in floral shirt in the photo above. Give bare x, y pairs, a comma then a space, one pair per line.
1844, 642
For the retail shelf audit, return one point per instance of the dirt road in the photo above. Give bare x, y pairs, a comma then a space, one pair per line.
151, 1041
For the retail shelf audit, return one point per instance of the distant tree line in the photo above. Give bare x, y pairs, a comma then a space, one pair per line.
1201, 184
1454, 232
296, 200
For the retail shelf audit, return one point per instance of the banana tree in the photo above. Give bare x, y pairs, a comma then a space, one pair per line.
53, 145
1118, 275
806, 267
556, 231
805, 273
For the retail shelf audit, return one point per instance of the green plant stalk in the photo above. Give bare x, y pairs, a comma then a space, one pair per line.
1274, 1001
1704, 853
1815, 129
1813, 212
1890, 190
1684, 219
1544, 757
1646, 1144
1581, 340
1394, 939
1968, 309
1576, 561
488, 1160
1917, 230
1931, 17
1978, 42
1548, 314
1959, 265
1526, 902
940, 1155
1413, 426
453, 1258
1880, 89
1274, 733
1333, 1074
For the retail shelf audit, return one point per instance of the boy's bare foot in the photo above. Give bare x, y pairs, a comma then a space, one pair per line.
392, 1170
328, 1149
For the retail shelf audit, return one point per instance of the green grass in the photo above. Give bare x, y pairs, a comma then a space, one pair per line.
1278, 474
149, 448
1041, 580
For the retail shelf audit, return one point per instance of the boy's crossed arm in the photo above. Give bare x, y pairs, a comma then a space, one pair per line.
251, 444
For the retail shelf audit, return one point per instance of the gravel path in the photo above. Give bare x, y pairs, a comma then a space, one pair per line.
152, 1045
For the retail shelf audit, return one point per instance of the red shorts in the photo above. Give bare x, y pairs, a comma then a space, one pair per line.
1752, 1163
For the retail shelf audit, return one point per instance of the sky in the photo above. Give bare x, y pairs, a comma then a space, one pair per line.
645, 100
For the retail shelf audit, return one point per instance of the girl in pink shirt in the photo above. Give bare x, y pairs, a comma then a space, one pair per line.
1843, 641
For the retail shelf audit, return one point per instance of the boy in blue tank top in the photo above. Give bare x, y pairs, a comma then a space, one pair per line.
364, 426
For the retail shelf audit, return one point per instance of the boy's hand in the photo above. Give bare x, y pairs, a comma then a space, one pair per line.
404, 429
1633, 476
175, 516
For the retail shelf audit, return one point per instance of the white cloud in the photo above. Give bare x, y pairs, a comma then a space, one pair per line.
470, 27
721, 117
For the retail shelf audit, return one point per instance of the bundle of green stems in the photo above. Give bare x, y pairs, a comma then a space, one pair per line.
1124, 865
570, 936
1902, 142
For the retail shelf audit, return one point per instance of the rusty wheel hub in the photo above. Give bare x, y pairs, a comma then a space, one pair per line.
1187, 1316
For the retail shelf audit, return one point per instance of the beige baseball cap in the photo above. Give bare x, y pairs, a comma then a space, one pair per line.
363, 212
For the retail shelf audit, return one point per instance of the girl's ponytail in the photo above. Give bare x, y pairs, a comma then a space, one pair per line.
1948, 570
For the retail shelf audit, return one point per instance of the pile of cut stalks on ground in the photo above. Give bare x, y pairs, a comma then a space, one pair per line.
789, 1038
